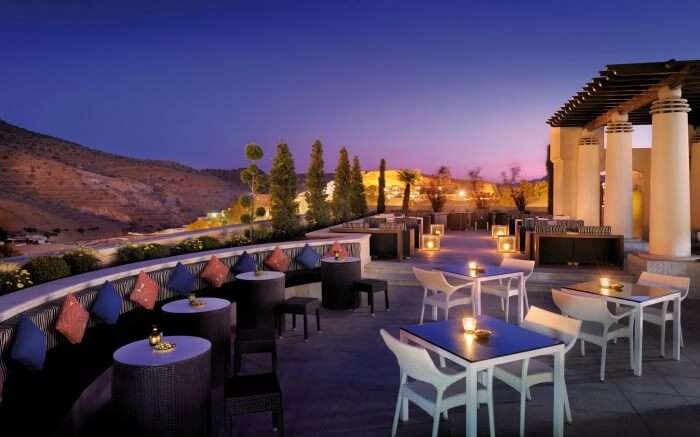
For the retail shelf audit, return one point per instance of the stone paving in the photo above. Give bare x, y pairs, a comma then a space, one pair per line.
343, 382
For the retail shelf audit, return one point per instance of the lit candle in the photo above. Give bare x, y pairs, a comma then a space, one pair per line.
472, 265
506, 246
430, 244
469, 324
605, 282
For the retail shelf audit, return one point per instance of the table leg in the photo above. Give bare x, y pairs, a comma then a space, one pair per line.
677, 328
638, 339
559, 390
521, 299
472, 402
476, 298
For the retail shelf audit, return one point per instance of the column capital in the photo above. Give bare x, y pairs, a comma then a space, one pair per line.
669, 101
619, 124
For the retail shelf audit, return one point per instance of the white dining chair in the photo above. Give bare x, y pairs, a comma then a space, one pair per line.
521, 375
599, 325
439, 293
507, 288
661, 314
433, 390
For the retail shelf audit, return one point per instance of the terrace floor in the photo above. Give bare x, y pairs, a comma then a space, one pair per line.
344, 381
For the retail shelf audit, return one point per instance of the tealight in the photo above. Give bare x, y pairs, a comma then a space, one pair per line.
605, 282
472, 265
469, 324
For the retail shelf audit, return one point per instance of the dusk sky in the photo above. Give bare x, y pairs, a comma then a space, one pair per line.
422, 84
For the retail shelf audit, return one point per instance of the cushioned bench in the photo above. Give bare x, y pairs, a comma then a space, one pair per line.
48, 395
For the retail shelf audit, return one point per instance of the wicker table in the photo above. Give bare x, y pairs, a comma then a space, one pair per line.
337, 278
212, 321
163, 393
257, 299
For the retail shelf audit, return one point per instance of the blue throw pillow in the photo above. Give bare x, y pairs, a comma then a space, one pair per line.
244, 264
308, 257
108, 304
29, 347
181, 281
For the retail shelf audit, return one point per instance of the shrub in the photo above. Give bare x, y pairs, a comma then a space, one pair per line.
238, 240
129, 254
189, 246
210, 243
7, 250
13, 280
47, 268
81, 261
153, 251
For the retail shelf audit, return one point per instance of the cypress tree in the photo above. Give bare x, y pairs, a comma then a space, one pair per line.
341, 200
381, 200
283, 182
358, 201
318, 212
254, 178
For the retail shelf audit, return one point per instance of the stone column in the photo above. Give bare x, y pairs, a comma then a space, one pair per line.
563, 154
618, 176
695, 182
669, 212
588, 193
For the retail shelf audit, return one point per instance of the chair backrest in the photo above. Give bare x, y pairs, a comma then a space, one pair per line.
433, 280
413, 360
680, 283
527, 266
578, 306
554, 325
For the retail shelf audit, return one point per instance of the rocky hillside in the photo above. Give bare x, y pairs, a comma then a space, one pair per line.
48, 183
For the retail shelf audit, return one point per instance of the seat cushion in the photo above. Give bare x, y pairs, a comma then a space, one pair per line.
308, 257
244, 264
370, 285
145, 291
29, 344
277, 260
108, 304
181, 281
215, 272
72, 319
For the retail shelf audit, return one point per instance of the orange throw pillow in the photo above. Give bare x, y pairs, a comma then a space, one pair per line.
336, 247
145, 291
72, 320
277, 260
215, 272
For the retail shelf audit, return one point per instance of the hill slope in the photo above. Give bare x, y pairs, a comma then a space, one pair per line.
48, 183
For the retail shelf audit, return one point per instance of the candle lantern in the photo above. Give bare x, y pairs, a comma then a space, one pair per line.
431, 242
437, 229
469, 325
506, 244
155, 336
499, 231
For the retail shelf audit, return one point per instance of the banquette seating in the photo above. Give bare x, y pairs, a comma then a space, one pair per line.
43, 402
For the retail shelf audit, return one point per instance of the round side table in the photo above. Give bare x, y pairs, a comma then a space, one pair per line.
163, 393
337, 277
211, 321
257, 298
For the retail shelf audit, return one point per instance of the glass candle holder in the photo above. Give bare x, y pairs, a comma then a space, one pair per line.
472, 265
605, 282
469, 324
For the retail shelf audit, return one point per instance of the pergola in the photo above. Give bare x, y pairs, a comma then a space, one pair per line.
658, 93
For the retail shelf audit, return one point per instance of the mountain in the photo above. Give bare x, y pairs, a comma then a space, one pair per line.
49, 183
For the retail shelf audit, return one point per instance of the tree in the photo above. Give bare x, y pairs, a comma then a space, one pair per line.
481, 197
381, 199
521, 191
255, 179
408, 177
358, 201
437, 187
341, 186
283, 184
318, 212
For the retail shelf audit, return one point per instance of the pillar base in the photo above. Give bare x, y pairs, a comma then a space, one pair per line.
651, 257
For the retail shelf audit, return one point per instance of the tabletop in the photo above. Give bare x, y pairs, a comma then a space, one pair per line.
342, 259
265, 276
484, 271
182, 306
631, 292
141, 354
506, 339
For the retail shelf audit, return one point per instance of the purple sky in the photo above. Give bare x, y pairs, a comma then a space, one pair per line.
421, 84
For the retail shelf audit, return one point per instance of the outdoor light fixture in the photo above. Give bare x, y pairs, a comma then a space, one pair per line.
431, 242
499, 231
506, 244
438, 230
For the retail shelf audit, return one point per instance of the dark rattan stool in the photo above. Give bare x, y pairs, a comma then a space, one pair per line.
298, 305
254, 394
371, 286
254, 341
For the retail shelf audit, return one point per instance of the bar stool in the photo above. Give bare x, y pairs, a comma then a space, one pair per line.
254, 341
371, 286
298, 305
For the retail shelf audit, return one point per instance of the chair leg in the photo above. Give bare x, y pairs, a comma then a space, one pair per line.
397, 411
663, 339
436, 416
602, 361
386, 298
435, 312
306, 327
422, 312
404, 410
583, 348
567, 406
318, 321
278, 419
507, 307
527, 302
528, 394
